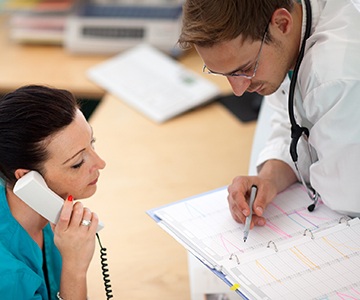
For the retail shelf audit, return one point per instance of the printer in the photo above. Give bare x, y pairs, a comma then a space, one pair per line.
111, 26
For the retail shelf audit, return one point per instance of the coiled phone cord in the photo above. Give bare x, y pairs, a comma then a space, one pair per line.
105, 270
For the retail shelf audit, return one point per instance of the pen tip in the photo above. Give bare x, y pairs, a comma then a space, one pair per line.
244, 239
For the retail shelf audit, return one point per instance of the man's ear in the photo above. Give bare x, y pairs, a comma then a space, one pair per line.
282, 21
20, 173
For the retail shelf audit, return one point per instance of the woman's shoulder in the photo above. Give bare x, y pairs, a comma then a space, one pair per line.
14, 272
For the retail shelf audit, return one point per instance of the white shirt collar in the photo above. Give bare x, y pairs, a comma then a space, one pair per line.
315, 12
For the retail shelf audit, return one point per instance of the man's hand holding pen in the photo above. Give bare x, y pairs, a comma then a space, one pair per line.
239, 197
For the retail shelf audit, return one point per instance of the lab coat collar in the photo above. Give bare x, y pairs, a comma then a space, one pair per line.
315, 12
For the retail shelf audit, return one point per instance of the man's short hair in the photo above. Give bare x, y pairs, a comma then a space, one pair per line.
208, 22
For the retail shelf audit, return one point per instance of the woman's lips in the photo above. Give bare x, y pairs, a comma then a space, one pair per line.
94, 182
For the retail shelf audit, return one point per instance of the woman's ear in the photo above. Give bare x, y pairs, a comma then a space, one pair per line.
20, 173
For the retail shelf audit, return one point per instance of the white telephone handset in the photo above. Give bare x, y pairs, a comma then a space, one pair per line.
33, 190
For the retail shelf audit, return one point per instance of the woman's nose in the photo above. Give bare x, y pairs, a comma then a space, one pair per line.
239, 85
99, 163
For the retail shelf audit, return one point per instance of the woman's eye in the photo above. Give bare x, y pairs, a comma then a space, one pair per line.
77, 166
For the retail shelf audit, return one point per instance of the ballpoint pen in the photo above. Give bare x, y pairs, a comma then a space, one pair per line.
249, 217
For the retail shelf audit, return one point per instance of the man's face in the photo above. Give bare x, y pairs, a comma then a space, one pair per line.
242, 56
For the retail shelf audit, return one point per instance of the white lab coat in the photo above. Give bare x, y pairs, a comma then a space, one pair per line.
327, 100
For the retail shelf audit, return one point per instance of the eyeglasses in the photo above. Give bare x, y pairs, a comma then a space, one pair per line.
240, 72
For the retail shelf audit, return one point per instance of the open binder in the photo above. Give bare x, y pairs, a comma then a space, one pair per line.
296, 255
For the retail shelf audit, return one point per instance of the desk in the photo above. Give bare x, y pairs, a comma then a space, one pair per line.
44, 64
149, 165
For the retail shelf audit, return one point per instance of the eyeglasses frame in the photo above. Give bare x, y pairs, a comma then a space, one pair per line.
235, 74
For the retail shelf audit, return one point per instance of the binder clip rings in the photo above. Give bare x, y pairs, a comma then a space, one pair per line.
311, 233
345, 219
234, 256
272, 243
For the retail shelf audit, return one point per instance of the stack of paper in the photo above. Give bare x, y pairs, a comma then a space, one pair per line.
153, 83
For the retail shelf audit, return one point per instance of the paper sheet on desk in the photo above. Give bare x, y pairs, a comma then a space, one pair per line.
153, 83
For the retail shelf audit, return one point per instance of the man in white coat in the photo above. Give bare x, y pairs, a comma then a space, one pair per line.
255, 44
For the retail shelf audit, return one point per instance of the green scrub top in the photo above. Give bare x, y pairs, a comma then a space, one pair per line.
26, 272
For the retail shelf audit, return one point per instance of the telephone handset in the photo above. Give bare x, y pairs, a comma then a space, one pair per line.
33, 190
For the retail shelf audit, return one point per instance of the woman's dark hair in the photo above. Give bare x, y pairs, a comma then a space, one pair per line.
28, 116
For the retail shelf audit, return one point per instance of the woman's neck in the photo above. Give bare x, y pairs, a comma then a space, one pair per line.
28, 218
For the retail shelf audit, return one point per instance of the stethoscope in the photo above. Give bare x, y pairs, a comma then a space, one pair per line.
296, 130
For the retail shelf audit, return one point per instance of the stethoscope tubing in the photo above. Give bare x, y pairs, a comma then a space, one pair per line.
296, 130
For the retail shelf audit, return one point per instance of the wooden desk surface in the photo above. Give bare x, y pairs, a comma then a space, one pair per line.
149, 165
44, 64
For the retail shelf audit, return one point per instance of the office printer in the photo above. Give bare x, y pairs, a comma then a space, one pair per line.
110, 26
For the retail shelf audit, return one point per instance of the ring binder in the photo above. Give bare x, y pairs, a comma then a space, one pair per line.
311, 233
273, 243
270, 273
346, 218
232, 256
